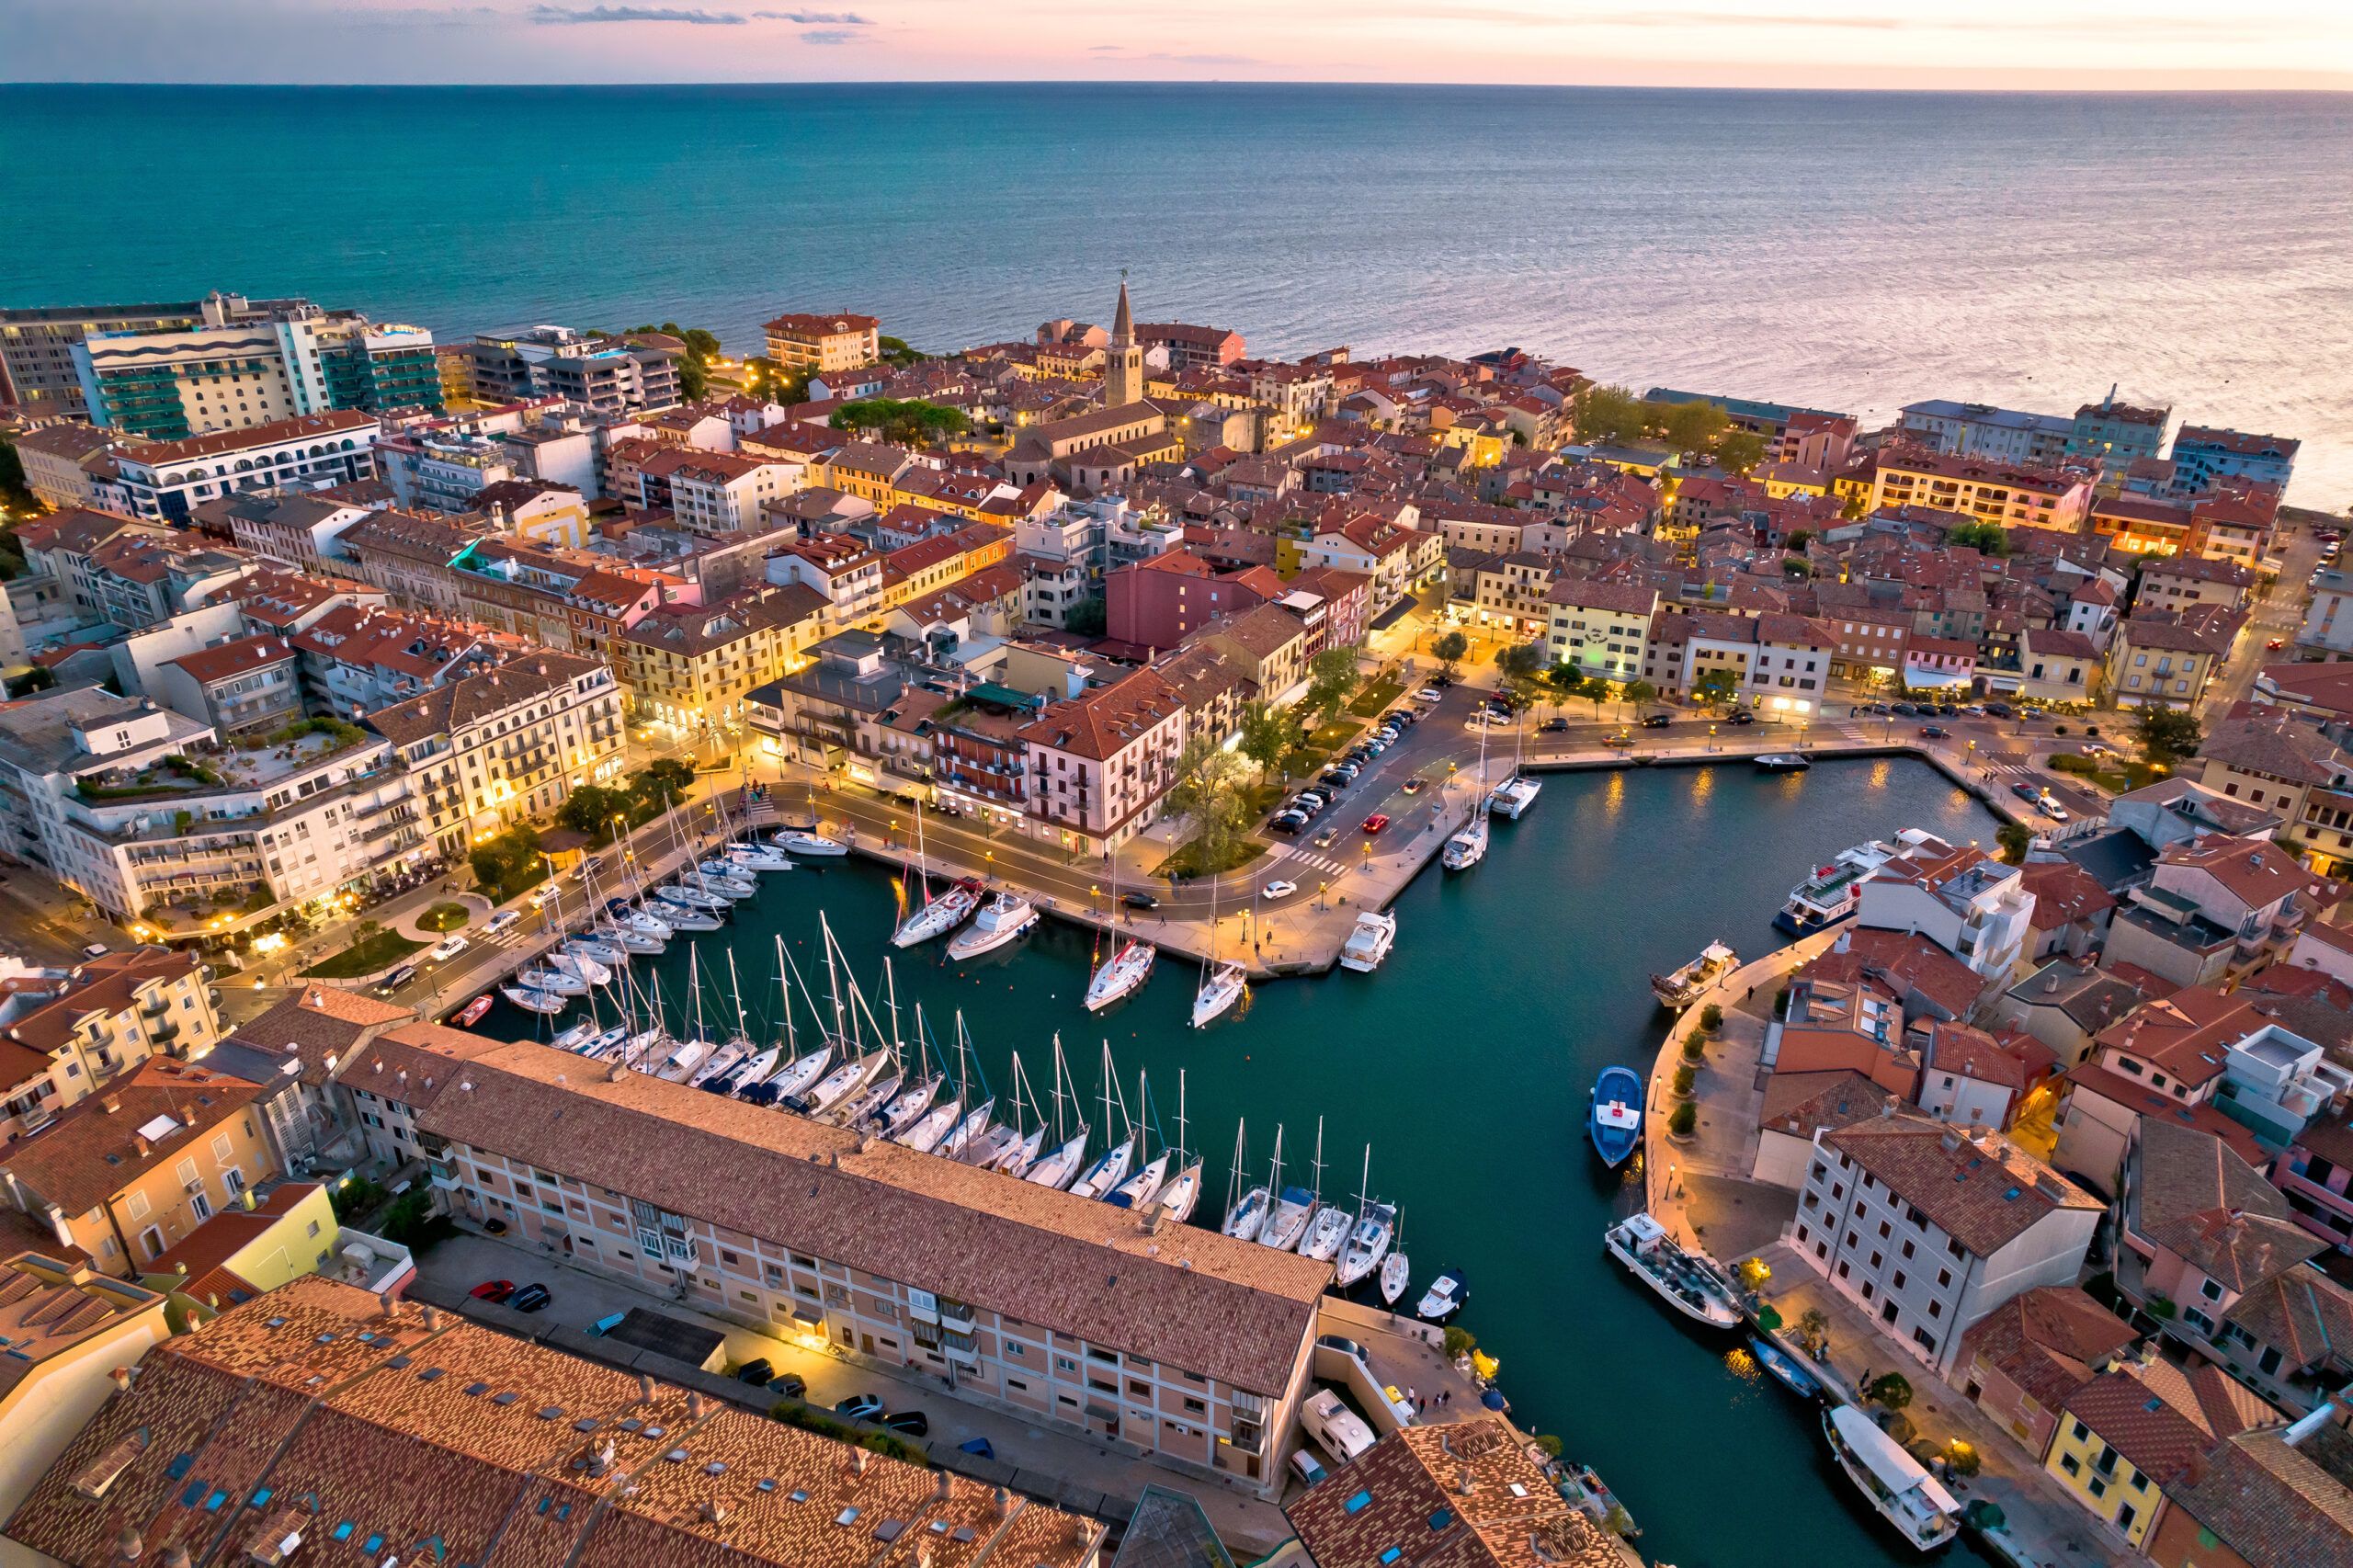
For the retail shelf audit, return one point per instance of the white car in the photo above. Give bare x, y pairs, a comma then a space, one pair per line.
1429, 694
2052, 809
450, 947
2093, 748
1278, 888
96, 950
501, 921
545, 895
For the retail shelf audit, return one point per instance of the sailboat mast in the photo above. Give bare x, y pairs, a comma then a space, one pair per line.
1364, 1182
1233, 1176
1180, 1113
1319, 1159
735, 989
833, 978
694, 984
891, 988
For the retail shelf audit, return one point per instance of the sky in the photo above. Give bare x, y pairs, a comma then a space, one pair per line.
1989, 44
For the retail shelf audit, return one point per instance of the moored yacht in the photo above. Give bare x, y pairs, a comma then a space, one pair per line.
683, 1058
1287, 1219
1120, 975
1368, 1242
1467, 847
1057, 1169
795, 1077
1687, 984
1514, 795
1327, 1232
1139, 1190
1109, 1169
1443, 1299
1686, 1282
1220, 989
1782, 762
1891, 1479
1369, 944
533, 1000
1002, 918
1834, 891
939, 916
1613, 1116
743, 856
808, 841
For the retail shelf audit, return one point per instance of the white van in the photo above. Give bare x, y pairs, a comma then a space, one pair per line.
1341, 1430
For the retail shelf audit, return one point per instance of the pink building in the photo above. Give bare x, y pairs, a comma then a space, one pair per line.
1158, 603
1938, 662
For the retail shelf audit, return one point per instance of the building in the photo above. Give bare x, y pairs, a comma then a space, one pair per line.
1268, 644
1184, 347
1100, 763
1462, 1493
2014, 493
1123, 359
1158, 602
2021, 1362
632, 374
2203, 454
123, 1175
2327, 628
168, 478
1797, 1107
2130, 1435
1927, 1228
262, 363
1983, 431
62, 462
2059, 667
2161, 661
346, 1426
822, 343
2118, 434
250, 684
690, 666
70, 1331
288, 1234
1961, 899
37, 371
64, 1034
2266, 1499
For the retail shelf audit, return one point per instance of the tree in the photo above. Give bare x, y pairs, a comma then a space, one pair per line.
1639, 692
1799, 538
1740, 450
1449, 647
1087, 618
1813, 1327
1852, 509
1685, 1074
1688, 426
694, 365
2015, 838
1711, 1018
1986, 539
1208, 798
663, 782
1269, 737
1332, 679
1522, 661
1609, 416
591, 809
2167, 734
1890, 1391
896, 352
1683, 1118
1715, 686
1459, 1342
1596, 690
1796, 566
14, 493
911, 421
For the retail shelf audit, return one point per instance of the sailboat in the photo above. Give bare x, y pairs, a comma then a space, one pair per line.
1222, 985
1056, 1169
1327, 1228
1292, 1207
1111, 1168
1368, 1239
1183, 1193
1245, 1215
1396, 1272
1003, 1146
1469, 845
1518, 791
1121, 975
934, 916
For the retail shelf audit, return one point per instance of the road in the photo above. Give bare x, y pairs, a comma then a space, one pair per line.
2277, 615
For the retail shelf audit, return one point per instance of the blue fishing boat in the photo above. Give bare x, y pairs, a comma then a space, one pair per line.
1784, 1366
1615, 1116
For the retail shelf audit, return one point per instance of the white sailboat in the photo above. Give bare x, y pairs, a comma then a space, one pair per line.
934, 916
1222, 985
1246, 1214
808, 841
976, 1123
533, 1000
911, 1102
932, 1126
1370, 1237
1057, 1169
1292, 1207
1469, 845
1327, 1227
743, 856
1396, 1272
1121, 975
1182, 1193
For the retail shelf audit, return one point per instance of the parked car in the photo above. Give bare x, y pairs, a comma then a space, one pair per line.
1375, 823
2052, 809
1404, 716
530, 1298
1287, 823
2001, 711
501, 921
1441, 680
1140, 900
1903, 709
1657, 721
1278, 888
758, 1372
1947, 710
1304, 1465
493, 1290
395, 979
96, 950
913, 1422
2093, 748
2275, 645
1311, 800
1429, 694
859, 1406
1740, 716
450, 947
793, 1384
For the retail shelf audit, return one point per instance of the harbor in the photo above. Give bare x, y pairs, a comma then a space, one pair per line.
1546, 944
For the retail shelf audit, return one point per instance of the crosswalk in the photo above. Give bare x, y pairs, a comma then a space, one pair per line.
1321, 860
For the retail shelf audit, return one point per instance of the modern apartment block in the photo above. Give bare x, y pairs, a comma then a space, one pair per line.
1962, 899
66, 1033
165, 479
2013, 492
609, 375
1177, 1340
1981, 430
37, 346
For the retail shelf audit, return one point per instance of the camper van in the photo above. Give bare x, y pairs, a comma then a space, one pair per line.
1341, 1430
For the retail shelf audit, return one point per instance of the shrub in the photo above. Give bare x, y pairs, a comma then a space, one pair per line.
1548, 1444
1695, 1046
357, 1197
1711, 1018
1962, 1458
1685, 1076
1891, 1390
1459, 1342
1685, 1117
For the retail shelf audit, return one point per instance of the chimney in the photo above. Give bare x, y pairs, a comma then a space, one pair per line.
694, 1407
122, 1376
432, 1319
940, 1491
390, 1303
129, 1546
644, 1387
176, 1556
1000, 1503
111, 1104
139, 1143
712, 1512
1463, 1485
857, 1461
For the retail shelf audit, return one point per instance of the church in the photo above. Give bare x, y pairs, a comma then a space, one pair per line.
1104, 448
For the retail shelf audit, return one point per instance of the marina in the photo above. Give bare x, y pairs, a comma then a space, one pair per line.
1492, 1115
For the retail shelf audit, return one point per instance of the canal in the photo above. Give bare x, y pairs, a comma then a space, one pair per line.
1464, 1063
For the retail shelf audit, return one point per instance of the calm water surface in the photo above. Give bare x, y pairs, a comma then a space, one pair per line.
1847, 250
1466, 1063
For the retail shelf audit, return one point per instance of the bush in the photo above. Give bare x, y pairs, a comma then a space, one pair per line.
444, 917
1685, 1076
1548, 1444
1685, 1117
1459, 1342
1711, 1018
1962, 1458
357, 1197
405, 1221
1890, 1391
1695, 1046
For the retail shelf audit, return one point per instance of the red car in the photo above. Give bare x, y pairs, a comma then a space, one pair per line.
1375, 822
2275, 645
493, 1290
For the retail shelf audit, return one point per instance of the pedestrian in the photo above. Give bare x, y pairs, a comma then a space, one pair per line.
1412, 1396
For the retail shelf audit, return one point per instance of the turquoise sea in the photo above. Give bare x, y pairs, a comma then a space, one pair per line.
1847, 250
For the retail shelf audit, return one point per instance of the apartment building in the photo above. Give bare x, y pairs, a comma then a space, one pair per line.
688, 666
66, 1033
1927, 1228
125, 1173
1600, 628
2059, 667
295, 527
37, 372
1963, 900
2127, 1438
359, 657
167, 479
2204, 454
719, 493
807, 341
485, 751
631, 374
251, 683
407, 556
65, 462
278, 360
1983, 431
842, 568
2014, 493
363, 1429
2161, 661
1099, 764
2327, 628
2119, 434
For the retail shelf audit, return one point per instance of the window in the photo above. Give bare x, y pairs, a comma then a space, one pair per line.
1359, 1502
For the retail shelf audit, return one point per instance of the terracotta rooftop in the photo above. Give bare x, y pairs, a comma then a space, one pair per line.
1459, 1495
2199, 1200
1983, 1192
2049, 1341
145, 1118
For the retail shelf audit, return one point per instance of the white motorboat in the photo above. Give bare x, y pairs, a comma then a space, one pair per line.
1368, 1242
1514, 795
1287, 1219
841, 1083
1109, 1169
1443, 1299
561, 981
575, 1037
1891, 1479
682, 1059
648, 923
808, 841
932, 1126
1782, 762
1182, 1195
1369, 944
910, 1103
1688, 984
795, 1077
1467, 847
1138, 1191
1686, 1282
588, 969
611, 955
1221, 990
1835, 891
1395, 1273
1002, 918
1327, 1230
533, 1000
939, 916
629, 939
757, 858
1055, 1170
1120, 975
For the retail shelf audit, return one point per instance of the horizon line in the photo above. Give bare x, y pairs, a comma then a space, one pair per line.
2083, 88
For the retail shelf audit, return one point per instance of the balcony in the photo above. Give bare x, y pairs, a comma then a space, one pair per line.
163, 1033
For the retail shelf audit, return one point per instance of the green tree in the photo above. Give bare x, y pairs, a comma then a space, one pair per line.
1565, 680
663, 782
1852, 509
1332, 680
1986, 539
1596, 690
1683, 1118
1269, 737
1449, 647
1609, 416
911, 421
896, 352
1813, 1327
1740, 450
2015, 838
591, 809
1800, 537
1688, 426
1890, 1391
2167, 734
1715, 686
1796, 566
1209, 800
14, 495
1087, 618
1522, 660
1638, 692
1711, 1018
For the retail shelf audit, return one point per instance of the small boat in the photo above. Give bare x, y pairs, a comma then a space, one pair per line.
1002, 919
840, 1084
533, 1000
1055, 1170
1891, 1479
1140, 1189
720, 1062
683, 1058
684, 897
470, 1014
611, 955
726, 883
1613, 1116
940, 916
1689, 1285
629, 939
1467, 847
562, 982
1687, 984
1782, 762
1369, 944
588, 969
1834, 891
651, 924
976, 1123
1514, 795
1019, 1157
908, 1104
1223, 987
1287, 1219
576, 1036
1395, 1275
1120, 975
1111, 1168
757, 858
753, 1070
1182, 1195
1368, 1242
1246, 1220
686, 919
600, 1045
809, 841
1784, 1366
1327, 1232
796, 1076
1443, 1299
932, 1126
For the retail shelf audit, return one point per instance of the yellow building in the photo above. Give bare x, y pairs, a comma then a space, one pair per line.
130, 1171
823, 343
2130, 1433
68, 1330
240, 1252
65, 1032
2161, 661
690, 665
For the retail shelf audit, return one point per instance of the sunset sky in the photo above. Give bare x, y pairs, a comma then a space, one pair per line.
2066, 44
